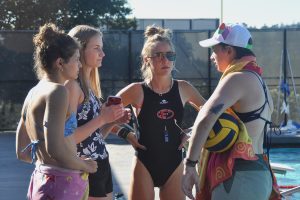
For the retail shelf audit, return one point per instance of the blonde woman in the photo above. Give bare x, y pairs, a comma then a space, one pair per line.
158, 102
91, 113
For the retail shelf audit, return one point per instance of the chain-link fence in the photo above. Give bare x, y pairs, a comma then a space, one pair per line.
276, 52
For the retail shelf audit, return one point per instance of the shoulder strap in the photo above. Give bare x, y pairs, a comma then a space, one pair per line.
267, 138
263, 85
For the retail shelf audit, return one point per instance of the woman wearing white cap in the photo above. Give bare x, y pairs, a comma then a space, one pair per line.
240, 172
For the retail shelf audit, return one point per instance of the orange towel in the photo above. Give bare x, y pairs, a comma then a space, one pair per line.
215, 168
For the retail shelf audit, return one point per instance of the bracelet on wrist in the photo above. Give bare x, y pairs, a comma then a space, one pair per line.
190, 163
123, 132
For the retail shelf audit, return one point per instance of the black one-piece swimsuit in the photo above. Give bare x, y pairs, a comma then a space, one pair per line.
159, 133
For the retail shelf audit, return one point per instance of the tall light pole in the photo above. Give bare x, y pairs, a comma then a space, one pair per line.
221, 18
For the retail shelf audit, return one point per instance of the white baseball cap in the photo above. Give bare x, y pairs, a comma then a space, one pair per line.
231, 34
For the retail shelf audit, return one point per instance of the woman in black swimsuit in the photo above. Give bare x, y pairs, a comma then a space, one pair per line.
158, 103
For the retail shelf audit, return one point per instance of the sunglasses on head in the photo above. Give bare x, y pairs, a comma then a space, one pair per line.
171, 56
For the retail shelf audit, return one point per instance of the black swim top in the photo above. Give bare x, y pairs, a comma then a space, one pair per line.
158, 114
159, 132
255, 114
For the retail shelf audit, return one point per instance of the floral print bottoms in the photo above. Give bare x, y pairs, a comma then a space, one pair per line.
54, 183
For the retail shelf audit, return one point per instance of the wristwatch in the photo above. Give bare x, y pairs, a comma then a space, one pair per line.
190, 163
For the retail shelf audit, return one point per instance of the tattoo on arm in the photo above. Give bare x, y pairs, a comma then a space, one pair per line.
216, 109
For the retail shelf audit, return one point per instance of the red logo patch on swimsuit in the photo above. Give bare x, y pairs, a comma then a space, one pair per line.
165, 114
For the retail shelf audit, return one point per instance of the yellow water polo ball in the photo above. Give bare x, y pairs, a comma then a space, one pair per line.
223, 134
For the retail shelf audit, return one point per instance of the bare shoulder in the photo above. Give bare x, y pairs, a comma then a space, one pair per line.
132, 94
190, 94
131, 88
73, 84
29, 94
243, 90
236, 80
136, 85
184, 84
57, 93
187, 88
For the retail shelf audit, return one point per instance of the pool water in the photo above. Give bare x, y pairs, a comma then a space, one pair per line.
290, 157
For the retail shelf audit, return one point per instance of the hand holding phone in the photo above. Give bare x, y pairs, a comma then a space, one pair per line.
113, 100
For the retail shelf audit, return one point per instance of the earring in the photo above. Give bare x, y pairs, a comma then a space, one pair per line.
61, 69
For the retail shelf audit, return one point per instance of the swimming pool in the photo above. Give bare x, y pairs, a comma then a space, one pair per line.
290, 157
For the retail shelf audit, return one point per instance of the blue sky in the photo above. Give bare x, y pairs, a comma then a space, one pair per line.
252, 12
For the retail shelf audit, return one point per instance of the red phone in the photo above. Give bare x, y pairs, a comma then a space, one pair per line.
113, 100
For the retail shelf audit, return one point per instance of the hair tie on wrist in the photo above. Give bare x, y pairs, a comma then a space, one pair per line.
123, 132
190, 163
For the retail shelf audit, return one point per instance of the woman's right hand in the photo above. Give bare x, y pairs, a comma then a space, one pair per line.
111, 113
91, 165
125, 119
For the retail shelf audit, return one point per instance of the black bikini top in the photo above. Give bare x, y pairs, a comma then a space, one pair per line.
255, 114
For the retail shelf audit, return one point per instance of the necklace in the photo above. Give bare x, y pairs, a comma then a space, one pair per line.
161, 93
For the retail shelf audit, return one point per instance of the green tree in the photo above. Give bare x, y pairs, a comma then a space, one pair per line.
30, 14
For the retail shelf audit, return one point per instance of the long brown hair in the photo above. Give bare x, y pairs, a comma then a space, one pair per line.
51, 43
